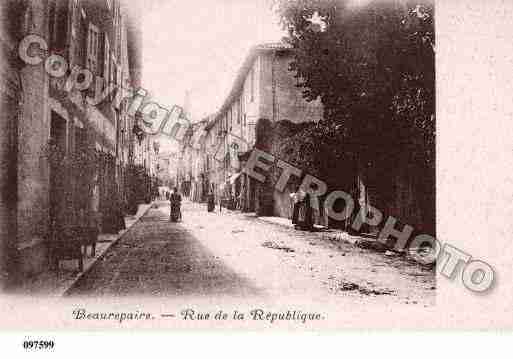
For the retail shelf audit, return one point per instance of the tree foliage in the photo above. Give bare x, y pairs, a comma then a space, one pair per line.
373, 68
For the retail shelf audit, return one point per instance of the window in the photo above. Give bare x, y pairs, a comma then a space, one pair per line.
106, 60
51, 21
112, 68
74, 20
92, 48
119, 75
239, 114
235, 111
113, 74
230, 118
252, 84
115, 26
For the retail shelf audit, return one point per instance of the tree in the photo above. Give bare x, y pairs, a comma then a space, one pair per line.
373, 68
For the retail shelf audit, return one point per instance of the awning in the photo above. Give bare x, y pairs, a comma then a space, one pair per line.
234, 177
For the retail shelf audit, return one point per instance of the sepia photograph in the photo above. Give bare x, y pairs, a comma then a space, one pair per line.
241, 164
266, 148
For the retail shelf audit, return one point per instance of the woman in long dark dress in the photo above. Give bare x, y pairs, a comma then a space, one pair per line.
305, 215
175, 202
308, 223
296, 203
210, 202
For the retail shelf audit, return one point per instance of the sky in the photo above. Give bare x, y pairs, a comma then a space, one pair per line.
197, 46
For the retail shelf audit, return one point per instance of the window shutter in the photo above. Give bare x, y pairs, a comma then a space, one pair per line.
106, 59
112, 68
92, 49
252, 84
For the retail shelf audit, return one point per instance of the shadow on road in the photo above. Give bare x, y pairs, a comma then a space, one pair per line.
159, 258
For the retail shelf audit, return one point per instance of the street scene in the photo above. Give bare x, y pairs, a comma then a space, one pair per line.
252, 149
214, 255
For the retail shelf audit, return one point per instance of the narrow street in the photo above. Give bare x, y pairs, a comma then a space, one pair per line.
238, 255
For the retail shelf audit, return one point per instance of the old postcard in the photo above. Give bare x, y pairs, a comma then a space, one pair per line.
255, 164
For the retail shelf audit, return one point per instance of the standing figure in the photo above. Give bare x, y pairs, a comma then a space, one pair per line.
305, 212
175, 203
294, 197
211, 201
240, 199
309, 214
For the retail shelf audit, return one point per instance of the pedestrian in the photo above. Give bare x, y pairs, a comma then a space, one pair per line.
175, 201
305, 212
309, 213
294, 197
155, 193
210, 201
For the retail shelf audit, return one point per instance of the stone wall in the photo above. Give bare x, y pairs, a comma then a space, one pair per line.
278, 82
10, 97
33, 174
404, 191
282, 203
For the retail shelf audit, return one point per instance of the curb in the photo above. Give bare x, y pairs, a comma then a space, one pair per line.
95, 260
263, 219
355, 241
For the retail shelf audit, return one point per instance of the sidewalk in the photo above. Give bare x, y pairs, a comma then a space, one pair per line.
287, 222
56, 283
363, 241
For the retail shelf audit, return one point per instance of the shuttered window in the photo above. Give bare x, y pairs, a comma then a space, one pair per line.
252, 85
106, 60
92, 48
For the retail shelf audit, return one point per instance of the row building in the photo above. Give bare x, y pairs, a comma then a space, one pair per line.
265, 90
265, 109
66, 161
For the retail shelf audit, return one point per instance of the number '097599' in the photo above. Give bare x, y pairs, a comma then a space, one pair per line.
38, 344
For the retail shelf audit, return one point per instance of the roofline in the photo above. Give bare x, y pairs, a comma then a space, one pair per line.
211, 119
238, 83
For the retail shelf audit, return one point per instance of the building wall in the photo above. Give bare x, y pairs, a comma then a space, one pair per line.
279, 82
32, 164
282, 203
10, 114
252, 105
407, 194
281, 99
30, 98
8, 184
269, 92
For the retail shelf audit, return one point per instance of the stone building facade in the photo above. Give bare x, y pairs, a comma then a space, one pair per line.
264, 88
62, 156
